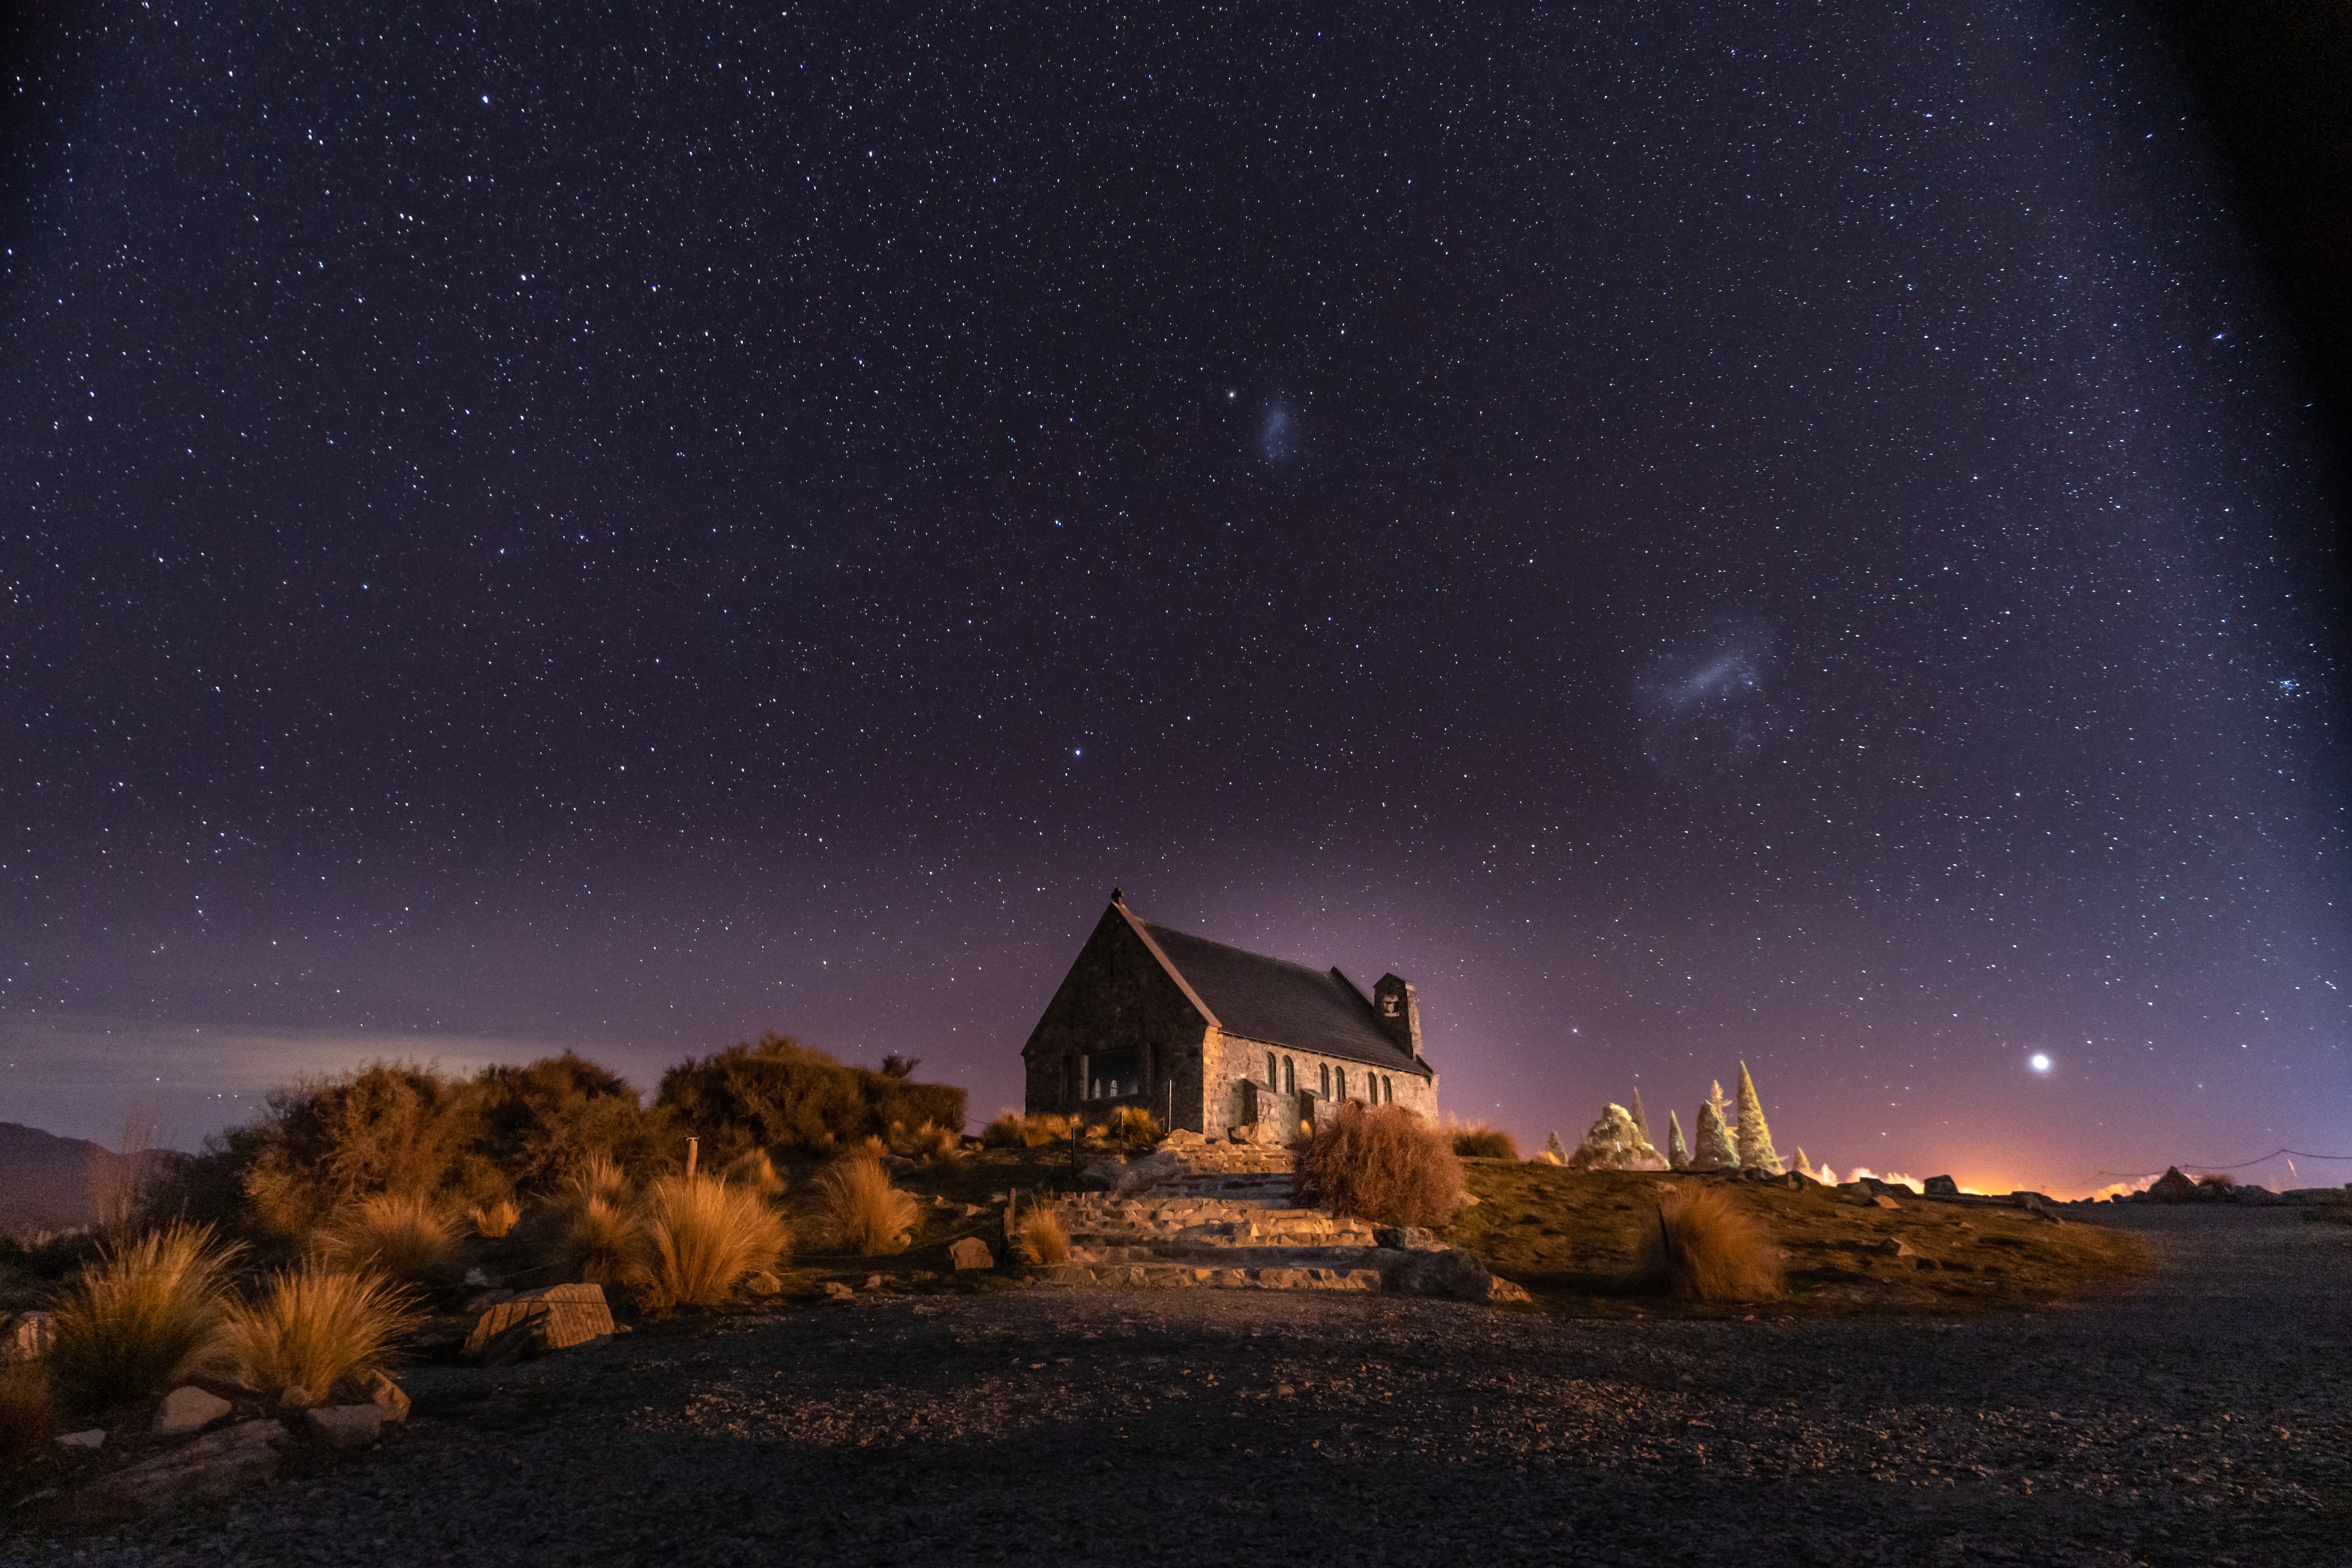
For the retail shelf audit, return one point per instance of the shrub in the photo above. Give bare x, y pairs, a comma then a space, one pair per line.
596, 1241
496, 1219
536, 1123
399, 1237
1041, 1236
316, 1326
325, 1143
1384, 1164
1480, 1142
756, 1172
1005, 1132
1701, 1247
779, 1094
1133, 1124
28, 1414
141, 1316
1044, 1128
701, 1238
929, 1144
861, 1211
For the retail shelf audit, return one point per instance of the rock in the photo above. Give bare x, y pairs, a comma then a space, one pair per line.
1451, 1273
1406, 1238
763, 1284
1181, 1139
1500, 1291
1943, 1187
94, 1438
972, 1211
560, 1317
971, 1252
188, 1409
2172, 1187
29, 1337
213, 1466
837, 1290
1895, 1247
475, 1279
385, 1395
294, 1396
874, 1281
2032, 1203
1883, 1202
344, 1425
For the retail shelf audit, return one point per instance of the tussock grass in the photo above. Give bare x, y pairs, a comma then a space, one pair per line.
401, 1237
496, 1219
861, 1211
141, 1316
1133, 1124
595, 1241
596, 1177
754, 1171
1477, 1141
28, 1415
929, 1144
1700, 1247
317, 1325
1011, 1129
1040, 1235
1385, 1164
700, 1238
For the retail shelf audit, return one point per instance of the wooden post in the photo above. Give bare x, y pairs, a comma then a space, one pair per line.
693, 1148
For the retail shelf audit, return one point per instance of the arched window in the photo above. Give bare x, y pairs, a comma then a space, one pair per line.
1273, 1081
1387, 1090
1326, 1080
1339, 1083
1289, 1076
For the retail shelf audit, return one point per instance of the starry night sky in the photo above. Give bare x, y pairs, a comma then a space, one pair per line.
1720, 534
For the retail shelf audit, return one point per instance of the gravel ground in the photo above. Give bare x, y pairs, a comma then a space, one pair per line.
2205, 1419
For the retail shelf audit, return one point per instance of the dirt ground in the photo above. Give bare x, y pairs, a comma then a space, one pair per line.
2203, 1417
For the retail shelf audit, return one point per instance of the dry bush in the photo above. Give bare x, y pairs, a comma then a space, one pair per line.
1133, 1124
1477, 1141
596, 1177
777, 1093
400, 1236
141, 1316
933, 1145
755, 1171
861, 1211
1699, 1246
1385, 1164
496, 1219
28, 1414
699, 1238
596, 1240
316, 1325
1041, 1236
1004, 1132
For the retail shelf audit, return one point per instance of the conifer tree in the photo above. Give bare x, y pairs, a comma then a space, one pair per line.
1677, 1151
1755, 1137
1804, 1166
1641, 1117
1552, 1147
1723, 1111
1715, 1151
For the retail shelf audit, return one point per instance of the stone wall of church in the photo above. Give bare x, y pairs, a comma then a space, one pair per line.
1117, 1019
1237, 1077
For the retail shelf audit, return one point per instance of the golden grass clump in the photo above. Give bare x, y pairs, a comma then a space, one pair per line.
1004, 1132
1040, 1235
700, 1239
1133, 1124
141, 1316
494, 1219
316, 1325
861, 1211
1011, 1129
755, 1171
1477, 1141
28, 1414
1699, 1246
1386, 1164
596, 1177
400, 1236
595, 1241
934, 1145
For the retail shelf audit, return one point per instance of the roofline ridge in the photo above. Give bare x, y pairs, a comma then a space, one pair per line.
1142, 929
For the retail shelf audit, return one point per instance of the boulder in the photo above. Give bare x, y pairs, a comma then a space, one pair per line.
1895, 1247
560, 1317
213, 1466
1883, 1202
971, 1252
94, 1438
1406, 1238
1451, 1273
2172, 1187
188, 1409
837, 1290
29, 1337
387, 1395
344, 1425
1943, 1187
1501, 1290
294, 1396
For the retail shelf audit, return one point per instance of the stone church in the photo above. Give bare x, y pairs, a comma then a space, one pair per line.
1208, 1038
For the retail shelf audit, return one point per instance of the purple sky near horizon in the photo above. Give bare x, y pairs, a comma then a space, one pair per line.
1699, 536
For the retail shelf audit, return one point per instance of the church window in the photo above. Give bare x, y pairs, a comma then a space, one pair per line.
1289, 1076
1272, 1080
1340, 1083
1326, 1080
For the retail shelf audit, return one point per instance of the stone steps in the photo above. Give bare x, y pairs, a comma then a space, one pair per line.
1187, 1276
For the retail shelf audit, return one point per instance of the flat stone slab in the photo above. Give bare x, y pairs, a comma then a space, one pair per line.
189, 1409
560, 1317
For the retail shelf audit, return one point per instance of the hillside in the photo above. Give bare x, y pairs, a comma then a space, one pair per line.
48, 1180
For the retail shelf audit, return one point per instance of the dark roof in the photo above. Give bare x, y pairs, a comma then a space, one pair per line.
1282, 1004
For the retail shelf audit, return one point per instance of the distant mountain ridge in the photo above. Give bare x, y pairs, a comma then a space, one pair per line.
48, 1180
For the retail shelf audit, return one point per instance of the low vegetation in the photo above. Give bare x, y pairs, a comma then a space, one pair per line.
700, 1238
141, 1316
1134, 1126
315, 1326
1386, 1164
776, 1093
1041, 1236
755, 1171
400, 1236
1477, 1141
862, 1212
496, 1220
1012, 1130
1704, 1248
28, 1415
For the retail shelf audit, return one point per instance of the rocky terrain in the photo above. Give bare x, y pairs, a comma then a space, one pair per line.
2204, 1419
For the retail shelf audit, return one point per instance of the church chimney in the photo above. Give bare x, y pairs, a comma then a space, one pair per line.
1398, 1013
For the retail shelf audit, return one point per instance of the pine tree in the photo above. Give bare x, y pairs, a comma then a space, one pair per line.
1715, 1151
1755, 1137
1723, 1112
1552, 1147
1641, 1117
1677, 1151
1804, 1166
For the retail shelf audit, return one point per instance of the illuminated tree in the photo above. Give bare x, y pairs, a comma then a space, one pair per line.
1715, 1151
1755, 1137
1677, 1151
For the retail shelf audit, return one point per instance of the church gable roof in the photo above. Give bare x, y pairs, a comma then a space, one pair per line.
1273, 1000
